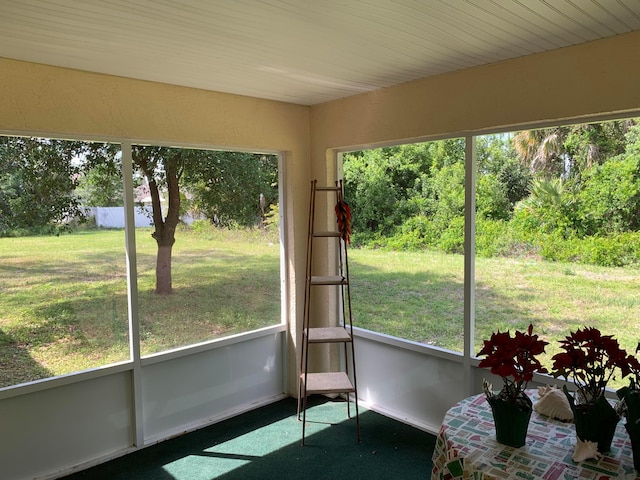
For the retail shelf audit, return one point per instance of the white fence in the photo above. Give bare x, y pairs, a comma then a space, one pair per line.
113, 217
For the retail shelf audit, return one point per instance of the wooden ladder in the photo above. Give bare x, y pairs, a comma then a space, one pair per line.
332, 382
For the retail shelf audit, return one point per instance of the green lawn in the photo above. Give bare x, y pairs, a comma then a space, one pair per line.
419, 296
63, 300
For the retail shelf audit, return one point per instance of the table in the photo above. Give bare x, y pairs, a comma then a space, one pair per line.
466, 448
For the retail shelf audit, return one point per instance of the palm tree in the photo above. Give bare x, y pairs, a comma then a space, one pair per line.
541, 150
550, 202
568, 151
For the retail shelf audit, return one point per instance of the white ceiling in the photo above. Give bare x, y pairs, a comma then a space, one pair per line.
298, 51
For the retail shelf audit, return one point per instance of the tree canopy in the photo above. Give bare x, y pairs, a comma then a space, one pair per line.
533, 189
38, 178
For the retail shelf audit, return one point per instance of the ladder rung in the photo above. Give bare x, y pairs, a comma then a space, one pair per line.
328, 335
327, 189
328, 280
327, 382
326, 234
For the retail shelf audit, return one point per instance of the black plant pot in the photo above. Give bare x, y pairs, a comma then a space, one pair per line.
511, 421
595, 422
632, 407
634, 436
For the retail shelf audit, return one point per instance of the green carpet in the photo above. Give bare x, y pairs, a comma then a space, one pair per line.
265, 444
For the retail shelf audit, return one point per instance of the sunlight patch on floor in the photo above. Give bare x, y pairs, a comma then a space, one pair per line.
225, 457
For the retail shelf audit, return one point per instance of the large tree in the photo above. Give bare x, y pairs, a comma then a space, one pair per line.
610, 198
226, 186
233, 187
38, 178
100, 184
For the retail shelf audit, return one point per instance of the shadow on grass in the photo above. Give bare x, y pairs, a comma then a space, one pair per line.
265, 443
15, 358
79, 309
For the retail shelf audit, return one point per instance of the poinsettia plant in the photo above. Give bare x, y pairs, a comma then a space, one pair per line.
634, 371
590, 359
629, 405
514, 359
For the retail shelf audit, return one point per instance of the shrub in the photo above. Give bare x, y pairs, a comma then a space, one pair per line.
452, 238
611, 251
202, 227
491, 198
272, 218
417, 232
615, 250
611, 195
554, 247
498, 238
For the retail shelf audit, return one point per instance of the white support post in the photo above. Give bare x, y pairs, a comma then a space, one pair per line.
288, 371
132, 290
469, 260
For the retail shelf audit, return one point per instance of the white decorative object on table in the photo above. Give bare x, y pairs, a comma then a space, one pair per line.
585, 450
553, 403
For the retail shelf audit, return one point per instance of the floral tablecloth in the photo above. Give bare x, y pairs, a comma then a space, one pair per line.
466, 448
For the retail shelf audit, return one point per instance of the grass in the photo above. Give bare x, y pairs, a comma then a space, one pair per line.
423, 298
417, 296
63, 300
224, 282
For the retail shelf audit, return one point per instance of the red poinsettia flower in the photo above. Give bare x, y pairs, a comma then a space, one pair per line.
513, 359
591, 360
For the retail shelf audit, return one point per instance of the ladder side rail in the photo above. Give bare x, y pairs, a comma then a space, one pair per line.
303, 377
353, 351
304, 354
342, 307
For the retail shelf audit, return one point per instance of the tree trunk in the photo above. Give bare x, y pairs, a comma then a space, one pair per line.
163, 269
165, 229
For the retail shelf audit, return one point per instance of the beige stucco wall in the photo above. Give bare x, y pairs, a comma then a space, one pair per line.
39, 98
600, 77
